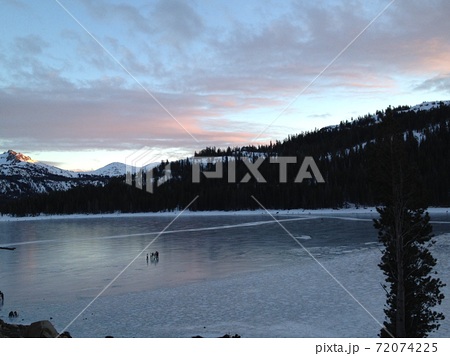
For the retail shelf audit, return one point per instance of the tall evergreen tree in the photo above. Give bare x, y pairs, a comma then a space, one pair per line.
405, 231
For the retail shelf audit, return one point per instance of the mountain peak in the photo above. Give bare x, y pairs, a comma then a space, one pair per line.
20, 175
113, 169
15, 157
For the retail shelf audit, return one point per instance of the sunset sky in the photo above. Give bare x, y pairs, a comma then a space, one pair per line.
85, 83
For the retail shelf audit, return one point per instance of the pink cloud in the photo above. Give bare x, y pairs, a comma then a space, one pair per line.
212, 82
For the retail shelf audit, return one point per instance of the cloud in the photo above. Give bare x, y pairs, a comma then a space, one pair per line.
285, 53
172, 22
213, 71
114, 118
30, 45
177, 22
438, 83
52, 163
126, 13
15, 3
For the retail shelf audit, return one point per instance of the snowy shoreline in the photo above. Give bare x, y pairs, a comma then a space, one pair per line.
258, 212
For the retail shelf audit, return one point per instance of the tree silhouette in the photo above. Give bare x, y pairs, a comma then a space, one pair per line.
405, 231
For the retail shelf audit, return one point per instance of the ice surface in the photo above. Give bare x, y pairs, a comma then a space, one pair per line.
216, 274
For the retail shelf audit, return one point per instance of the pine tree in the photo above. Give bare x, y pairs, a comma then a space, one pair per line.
404, 230
408, 264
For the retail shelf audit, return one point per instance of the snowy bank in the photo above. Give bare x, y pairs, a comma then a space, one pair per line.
258, 212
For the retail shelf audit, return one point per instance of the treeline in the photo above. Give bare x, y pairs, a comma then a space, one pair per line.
347, 156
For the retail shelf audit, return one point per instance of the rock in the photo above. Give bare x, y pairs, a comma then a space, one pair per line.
11, 330
41, 329
65, 335
226, 336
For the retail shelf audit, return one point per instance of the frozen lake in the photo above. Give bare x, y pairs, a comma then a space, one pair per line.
216, 274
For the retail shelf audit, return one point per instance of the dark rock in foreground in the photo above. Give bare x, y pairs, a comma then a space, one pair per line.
226, 336
39, 329
235, 336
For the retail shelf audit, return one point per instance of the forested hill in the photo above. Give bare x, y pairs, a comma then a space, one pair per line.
345, 154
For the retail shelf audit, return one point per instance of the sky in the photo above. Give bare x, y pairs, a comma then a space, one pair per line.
85, 83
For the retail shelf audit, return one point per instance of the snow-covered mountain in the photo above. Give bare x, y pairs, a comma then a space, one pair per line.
21, 175
16, 163
428, 105
114, 169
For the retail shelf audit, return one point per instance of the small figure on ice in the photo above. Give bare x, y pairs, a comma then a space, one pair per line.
154, 257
